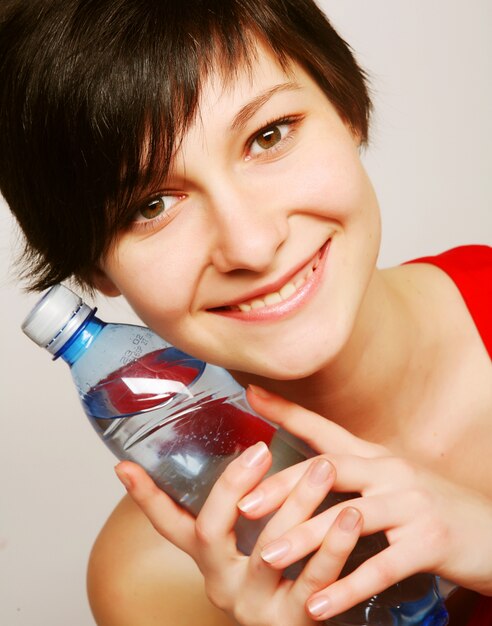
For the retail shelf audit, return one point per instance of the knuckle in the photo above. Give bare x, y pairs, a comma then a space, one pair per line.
404, 470
383, 574
148, 496
267, 536
279, 486
157, 526
242, 613
332, 543
216, 596
300, 501
304, 535
379, 450
256, 567
203, 532
422, 500
245, 614
436, 539
313, 581
231, 478
334, 547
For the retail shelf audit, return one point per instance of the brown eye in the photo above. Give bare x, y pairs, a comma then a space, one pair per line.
160, 209
269, 138
154, 208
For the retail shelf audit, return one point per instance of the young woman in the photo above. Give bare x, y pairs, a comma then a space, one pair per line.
203, 159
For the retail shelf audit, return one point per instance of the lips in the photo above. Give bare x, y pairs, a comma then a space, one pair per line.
280, 297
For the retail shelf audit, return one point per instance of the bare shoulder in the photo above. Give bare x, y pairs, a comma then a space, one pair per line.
137, 577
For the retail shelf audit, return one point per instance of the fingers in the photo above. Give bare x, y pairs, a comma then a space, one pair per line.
306, 496
239, 477
299, 506
354, 474
379, 513
318, 432
270, 494
372, 577
224, 568
325, 565
217, 518
169, 519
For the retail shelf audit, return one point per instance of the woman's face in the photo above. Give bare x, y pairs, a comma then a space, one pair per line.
267, 185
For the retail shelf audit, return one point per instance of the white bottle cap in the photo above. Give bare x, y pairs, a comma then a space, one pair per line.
55, 317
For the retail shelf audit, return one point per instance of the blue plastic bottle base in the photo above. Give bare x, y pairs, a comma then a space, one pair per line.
429, 610
419, 613
439, 618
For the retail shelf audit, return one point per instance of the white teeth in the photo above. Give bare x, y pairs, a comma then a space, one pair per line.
278, 296
287, 290
257, 304
273, 298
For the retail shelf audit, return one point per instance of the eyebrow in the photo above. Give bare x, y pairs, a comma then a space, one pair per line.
246, 112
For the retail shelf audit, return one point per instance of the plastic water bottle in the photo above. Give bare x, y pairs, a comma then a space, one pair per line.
184, 420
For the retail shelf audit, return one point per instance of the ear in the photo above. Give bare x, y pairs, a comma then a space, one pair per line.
104, 284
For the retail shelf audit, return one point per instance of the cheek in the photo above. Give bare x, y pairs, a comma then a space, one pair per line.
335, 183
157, 280
337, 187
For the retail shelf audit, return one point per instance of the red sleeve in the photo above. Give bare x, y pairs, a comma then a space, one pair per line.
470, 267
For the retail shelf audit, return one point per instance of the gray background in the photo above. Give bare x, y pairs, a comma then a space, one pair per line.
430, 161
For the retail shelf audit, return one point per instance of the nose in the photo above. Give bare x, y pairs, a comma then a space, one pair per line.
249, 228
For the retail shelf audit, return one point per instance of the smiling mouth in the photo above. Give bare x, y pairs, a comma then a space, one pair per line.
292, 287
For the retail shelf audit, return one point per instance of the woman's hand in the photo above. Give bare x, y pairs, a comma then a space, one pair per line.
247, 588
431, 525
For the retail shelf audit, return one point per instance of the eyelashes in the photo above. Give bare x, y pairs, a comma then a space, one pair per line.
272, 137
270, 141
158, 211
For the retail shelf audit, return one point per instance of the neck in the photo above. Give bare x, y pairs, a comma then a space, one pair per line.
374, 386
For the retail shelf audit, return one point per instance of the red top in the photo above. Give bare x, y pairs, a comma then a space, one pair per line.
470, 267
482, 615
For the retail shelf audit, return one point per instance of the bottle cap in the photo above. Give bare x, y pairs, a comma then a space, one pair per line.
55, 318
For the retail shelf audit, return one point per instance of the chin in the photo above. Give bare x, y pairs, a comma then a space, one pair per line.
300, 361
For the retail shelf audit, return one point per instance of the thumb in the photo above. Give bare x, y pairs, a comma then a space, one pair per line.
168, 518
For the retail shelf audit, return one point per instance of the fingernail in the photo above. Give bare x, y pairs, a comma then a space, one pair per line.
319, 471
259, 391
349, 518
249, 503
255, 455
318, 606
275, 551
123, 476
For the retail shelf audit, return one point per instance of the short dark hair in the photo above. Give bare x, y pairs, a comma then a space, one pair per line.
95, 95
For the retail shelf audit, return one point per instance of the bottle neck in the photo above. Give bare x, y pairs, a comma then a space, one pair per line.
81, 340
